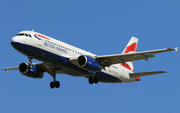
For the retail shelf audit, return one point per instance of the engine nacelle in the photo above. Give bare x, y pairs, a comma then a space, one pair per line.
88, 63
33, 72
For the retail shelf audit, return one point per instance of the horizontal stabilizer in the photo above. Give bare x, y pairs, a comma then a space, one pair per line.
146, 73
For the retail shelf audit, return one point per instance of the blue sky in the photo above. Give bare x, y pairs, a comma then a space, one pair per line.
102, 27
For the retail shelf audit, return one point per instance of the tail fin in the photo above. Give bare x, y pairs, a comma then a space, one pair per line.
130, 47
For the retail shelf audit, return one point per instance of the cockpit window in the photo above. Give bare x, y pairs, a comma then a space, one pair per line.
20, 34
29, 35
24, 34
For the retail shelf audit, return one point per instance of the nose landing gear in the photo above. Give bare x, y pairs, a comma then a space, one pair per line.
52, 72
30, 61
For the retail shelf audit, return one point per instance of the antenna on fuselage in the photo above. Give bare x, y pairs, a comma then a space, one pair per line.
32, 30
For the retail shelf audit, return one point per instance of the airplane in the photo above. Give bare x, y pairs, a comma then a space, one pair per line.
58, 57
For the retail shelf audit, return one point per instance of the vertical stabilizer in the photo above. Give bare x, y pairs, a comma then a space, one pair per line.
130, 47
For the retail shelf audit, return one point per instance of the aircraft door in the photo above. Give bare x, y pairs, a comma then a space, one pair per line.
40, 42
122, 73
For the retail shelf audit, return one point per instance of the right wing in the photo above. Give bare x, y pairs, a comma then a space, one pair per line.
108, 60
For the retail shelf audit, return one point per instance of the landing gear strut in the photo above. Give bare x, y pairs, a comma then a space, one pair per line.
30, 61
93, 80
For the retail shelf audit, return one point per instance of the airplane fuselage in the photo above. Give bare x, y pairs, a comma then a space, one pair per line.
57, 55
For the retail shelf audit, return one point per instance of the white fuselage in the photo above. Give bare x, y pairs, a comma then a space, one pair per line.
46, 46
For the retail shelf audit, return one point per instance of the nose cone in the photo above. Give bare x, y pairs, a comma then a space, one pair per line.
15, 41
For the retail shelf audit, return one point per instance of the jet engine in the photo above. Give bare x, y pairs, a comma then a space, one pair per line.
30, 70
88, 63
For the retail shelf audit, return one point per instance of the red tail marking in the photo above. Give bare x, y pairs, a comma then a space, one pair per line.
126, 66
132, 47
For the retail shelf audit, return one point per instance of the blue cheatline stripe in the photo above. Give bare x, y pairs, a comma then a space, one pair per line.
59, 60
37, 37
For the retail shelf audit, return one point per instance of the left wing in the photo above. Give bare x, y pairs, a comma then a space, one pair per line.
41, 66
107, 60
11, 68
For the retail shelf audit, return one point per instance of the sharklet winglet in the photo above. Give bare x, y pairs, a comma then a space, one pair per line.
176, 49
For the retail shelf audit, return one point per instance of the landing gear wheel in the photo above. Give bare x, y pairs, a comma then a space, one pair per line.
90, 80
57, 84
95, 79
54, 84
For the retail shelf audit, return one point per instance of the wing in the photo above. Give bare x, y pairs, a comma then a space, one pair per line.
146, 73
41, 66
107, 60
11, 68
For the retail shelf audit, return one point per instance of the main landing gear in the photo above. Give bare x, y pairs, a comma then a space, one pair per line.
54, 84
93, 80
